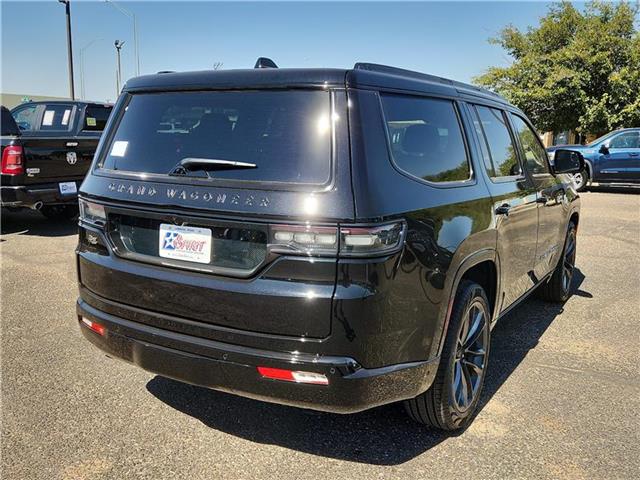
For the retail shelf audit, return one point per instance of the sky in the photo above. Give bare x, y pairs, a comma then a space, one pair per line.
448, 39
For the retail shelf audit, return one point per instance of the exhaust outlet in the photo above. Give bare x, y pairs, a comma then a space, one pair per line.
36, 206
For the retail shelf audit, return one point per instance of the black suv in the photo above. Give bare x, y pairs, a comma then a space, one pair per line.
329, 239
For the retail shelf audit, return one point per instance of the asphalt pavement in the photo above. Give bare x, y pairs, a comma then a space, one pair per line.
561, 400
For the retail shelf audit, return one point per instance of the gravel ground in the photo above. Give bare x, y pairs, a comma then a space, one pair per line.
561, 400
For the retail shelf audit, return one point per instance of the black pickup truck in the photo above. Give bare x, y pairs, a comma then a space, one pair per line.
47, 148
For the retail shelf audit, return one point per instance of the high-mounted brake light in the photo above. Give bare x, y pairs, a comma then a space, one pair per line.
293, 376
96, 327
12, 160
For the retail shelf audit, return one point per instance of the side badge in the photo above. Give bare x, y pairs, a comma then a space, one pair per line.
72, 158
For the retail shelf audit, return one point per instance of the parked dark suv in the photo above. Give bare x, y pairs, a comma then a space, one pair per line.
329, 239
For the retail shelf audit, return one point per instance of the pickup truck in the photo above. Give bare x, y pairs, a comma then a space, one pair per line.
47, 148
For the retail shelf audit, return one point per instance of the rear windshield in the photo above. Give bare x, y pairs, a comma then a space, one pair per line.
95, 117
284, 135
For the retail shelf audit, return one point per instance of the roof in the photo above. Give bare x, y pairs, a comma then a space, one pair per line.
361, 75
67, 102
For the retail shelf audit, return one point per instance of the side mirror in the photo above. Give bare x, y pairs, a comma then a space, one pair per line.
604, 149
568, 161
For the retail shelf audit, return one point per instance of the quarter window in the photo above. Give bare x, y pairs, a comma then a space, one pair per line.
502, 161
426, 138
533, 152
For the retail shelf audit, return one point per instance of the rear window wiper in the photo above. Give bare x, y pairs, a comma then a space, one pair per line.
208, 164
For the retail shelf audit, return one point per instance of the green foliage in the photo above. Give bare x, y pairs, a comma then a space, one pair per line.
576, 70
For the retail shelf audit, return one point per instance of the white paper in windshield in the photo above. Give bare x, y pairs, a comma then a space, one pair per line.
65, 117
119, 148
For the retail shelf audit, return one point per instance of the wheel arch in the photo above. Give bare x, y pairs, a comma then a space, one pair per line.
482, 267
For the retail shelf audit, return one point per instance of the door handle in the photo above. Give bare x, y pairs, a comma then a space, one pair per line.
503, 209
633, 154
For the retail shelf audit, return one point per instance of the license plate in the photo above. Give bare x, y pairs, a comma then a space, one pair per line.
191, 244
68, 188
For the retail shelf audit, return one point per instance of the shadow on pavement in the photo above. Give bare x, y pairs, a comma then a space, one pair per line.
30, 222
381, 436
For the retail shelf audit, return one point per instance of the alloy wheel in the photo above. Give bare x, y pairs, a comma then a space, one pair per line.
568, 261
470, 357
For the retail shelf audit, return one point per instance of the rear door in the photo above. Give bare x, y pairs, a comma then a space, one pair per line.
622, 161
551, 193
52, 151
515, 207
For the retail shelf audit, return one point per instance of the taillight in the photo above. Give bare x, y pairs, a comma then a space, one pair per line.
379, 240
347, 240
92, 212
12, 160
304, 239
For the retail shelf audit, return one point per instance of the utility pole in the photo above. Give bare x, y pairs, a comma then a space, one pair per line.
132, 16
118, 44
67, 8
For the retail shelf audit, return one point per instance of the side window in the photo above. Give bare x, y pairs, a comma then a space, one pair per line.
57, 116
533, 151
25, 117
625, 140
426, 138
95, 117
502, 152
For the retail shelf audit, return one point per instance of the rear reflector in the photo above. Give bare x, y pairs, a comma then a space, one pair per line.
96, 327
293, 376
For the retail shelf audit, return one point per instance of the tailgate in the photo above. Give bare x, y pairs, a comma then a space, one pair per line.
57, 159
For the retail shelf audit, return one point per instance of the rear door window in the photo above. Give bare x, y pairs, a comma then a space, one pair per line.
503, 160
57, 116
285, 135
95, 117
426, 138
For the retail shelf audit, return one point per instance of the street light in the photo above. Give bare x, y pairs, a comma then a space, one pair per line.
132, 16
82, 93
118, 44
67, 8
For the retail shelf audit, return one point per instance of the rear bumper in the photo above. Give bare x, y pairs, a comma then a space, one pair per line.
27, 196
233, 368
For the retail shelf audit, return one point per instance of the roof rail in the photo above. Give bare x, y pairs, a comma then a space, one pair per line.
374, 67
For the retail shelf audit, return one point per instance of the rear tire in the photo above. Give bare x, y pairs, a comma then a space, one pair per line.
558, 287
60, 212
452, 400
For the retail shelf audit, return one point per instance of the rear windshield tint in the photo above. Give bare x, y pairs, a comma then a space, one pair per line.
95, 117
285, 134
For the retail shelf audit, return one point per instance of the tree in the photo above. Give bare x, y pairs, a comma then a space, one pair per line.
577, 70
